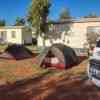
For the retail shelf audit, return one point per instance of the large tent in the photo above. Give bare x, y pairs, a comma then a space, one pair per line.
65, 55
16, 52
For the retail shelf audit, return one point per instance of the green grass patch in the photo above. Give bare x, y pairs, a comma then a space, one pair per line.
31, 47
45, 71
7, 75
2, 47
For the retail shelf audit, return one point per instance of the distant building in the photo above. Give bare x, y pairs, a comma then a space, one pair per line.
71, 32
15, 35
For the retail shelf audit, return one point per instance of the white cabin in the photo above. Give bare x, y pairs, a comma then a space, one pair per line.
15, 35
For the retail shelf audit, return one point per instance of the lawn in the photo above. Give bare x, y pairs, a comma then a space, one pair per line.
2, 47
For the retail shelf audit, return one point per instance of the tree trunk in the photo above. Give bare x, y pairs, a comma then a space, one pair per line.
44, 44
51, 41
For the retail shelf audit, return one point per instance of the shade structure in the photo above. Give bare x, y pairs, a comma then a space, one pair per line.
59, 56
16, 52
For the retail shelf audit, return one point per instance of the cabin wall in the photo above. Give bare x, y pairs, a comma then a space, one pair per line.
14, 36
76, 37
26, 36
10, 35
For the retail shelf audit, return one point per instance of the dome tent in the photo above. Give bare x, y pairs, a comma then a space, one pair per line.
62, 56
16, 52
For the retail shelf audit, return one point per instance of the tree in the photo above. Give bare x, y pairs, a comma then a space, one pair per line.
2, 22
19, 21
91, 38
65, 27
37, 15
64, 13
91, 15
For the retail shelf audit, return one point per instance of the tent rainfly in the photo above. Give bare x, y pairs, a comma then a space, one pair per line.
17, 52
59, 56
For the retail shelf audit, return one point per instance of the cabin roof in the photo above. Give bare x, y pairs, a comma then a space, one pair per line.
12, 27
76, 20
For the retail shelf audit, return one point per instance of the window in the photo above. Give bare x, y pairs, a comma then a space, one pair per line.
3, 35
98, 44
13, 34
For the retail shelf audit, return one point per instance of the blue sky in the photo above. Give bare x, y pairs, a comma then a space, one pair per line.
77, 7
9, 9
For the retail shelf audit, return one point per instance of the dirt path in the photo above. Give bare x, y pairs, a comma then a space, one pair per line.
56, 87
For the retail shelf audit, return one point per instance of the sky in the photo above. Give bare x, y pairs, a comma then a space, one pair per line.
9, 9
77, 8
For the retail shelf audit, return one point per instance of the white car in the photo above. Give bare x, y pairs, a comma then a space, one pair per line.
94, 65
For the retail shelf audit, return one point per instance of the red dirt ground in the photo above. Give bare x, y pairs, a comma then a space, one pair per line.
64, 86
16, 69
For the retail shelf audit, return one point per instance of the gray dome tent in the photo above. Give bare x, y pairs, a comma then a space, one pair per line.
64, 54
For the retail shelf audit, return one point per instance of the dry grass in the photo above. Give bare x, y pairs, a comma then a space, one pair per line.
12, 70
67, 84
61, 85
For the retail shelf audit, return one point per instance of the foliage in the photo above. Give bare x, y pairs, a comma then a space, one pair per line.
91, 38
19, 21
64, 13
2, 22
37, 15
91, 15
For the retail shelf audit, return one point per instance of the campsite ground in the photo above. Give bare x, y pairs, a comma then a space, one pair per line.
23, 80
71, 84
12, 70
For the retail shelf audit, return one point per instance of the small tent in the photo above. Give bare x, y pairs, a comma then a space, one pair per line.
59, 56
16, 52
